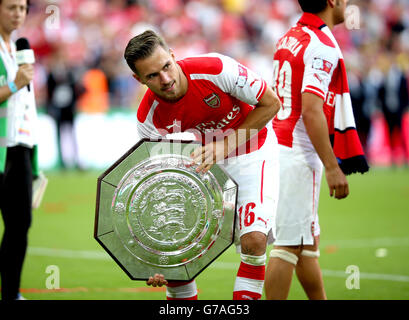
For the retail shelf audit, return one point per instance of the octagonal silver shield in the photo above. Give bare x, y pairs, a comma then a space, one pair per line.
156, 214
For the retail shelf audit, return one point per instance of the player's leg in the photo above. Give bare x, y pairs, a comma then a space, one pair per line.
256, 174
279, 273
299, 186
255, 225
284, 256
309, 272
308, 269
176, 290
250, 276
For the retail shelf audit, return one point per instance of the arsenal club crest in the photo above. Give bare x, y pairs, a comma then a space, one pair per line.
212, 100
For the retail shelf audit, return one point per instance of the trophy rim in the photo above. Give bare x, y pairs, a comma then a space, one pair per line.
160, 268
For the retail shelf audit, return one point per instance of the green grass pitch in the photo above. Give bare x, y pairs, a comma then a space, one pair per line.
368, 230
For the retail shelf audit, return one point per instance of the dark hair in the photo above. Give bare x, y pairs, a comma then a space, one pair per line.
28, 5
313, 6
142, 46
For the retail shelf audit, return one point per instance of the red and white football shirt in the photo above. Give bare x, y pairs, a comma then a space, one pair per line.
221, 92
305, 61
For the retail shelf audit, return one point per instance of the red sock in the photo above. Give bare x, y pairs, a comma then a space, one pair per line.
176, 290
249, 282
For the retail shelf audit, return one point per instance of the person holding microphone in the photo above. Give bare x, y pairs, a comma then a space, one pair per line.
18, 149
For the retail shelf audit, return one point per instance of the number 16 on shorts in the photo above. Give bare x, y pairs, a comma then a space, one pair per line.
247, 215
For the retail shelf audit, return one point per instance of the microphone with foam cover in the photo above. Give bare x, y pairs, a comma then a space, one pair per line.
24, 54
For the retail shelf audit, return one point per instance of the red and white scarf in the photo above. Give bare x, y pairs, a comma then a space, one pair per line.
345, 141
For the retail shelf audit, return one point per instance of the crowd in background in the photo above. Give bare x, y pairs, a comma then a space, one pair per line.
79, 48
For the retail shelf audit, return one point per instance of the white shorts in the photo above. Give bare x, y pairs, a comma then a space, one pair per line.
257, 175
300, 182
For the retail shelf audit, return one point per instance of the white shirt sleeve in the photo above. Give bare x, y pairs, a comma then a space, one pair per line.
147, 129
237, 80
320, 62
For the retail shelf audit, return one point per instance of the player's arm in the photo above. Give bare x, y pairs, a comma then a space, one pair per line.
316, 125
264, 111
245, 85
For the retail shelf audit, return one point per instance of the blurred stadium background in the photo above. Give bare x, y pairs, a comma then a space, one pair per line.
87, 102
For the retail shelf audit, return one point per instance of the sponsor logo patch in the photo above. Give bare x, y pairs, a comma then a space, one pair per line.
243, 75
321, 64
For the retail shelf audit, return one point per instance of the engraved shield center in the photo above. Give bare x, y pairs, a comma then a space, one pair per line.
164, 213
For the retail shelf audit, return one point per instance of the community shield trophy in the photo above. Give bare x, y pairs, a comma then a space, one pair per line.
155, 214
